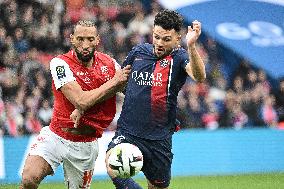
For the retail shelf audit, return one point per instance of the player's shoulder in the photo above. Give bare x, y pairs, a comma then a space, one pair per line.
144, 47
180, 51
58, 65
180, 54
101, 55
104, 58
61, 58
57, 60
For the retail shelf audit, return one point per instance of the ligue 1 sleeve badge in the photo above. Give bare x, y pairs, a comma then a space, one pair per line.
60, 71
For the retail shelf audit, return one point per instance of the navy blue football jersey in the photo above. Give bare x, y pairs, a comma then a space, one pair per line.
149, 108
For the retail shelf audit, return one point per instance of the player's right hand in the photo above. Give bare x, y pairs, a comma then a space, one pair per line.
75, 117
193, 32
121, 75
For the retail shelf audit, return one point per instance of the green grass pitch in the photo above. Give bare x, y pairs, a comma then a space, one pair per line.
251, 181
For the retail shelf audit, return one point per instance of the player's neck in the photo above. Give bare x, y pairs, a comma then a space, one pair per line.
85, 64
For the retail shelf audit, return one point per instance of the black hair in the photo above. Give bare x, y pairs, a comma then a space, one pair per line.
86, 23
168, 20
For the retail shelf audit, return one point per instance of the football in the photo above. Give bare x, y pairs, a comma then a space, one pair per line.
125, 160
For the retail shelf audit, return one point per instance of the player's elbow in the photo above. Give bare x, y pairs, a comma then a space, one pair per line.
199, 77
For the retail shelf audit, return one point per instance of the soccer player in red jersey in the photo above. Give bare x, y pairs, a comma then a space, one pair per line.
85, 80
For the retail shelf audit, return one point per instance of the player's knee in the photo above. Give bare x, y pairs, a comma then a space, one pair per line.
30, 180
29, 183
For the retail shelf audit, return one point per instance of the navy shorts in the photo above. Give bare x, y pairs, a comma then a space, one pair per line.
156, 153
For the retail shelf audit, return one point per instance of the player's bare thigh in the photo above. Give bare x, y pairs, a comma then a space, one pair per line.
36, 168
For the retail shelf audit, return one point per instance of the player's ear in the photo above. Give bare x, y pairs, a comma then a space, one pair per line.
72, 39
98, 39
178, 39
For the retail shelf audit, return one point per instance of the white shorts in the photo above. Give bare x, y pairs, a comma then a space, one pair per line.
78, 158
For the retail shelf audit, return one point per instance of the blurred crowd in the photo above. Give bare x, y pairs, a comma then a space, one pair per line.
247, 101
34, 31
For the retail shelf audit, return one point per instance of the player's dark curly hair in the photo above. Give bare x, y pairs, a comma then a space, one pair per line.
168, 20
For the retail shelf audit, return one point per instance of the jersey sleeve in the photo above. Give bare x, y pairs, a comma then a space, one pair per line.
130, 57
61, 72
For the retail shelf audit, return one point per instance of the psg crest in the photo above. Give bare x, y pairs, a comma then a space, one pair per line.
164, 63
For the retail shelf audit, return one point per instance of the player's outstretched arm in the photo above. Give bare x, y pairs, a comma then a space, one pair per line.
196, 68
83, 100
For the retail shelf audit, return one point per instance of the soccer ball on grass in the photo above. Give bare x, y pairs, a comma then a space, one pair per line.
125, 160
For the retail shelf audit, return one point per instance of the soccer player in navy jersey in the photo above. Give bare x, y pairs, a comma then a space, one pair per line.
148, 117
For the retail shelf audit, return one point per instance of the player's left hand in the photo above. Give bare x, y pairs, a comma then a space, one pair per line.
193, 33
75, 117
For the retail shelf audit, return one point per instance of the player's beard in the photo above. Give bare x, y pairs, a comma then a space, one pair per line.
85, 58
163, 53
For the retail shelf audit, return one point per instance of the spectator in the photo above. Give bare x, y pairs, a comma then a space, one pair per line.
280, 103
238, 85
32, 123
210, 118
21, 44
27, 21
45, 112
268, 111
13, 121
194, 112
126, 13
229, 103
9, 84
217, 93
3, 46
44, 26
262, 79
137, 24
252, 106
11, 15
239, 117
2, 115
10, 55
251, 80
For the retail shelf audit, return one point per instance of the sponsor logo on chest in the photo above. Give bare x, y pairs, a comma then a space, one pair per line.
88, 78
147, 78
85, 76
